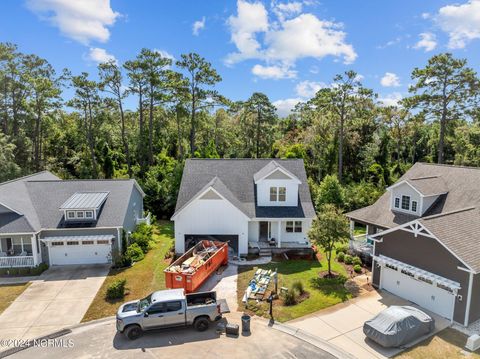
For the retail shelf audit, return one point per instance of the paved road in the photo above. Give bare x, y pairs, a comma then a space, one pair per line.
99, 340
58, 299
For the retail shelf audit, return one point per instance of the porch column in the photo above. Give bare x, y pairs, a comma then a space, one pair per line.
352, 228
35, 250
279, 227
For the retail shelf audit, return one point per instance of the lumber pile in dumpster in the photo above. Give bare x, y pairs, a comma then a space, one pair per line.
199, 257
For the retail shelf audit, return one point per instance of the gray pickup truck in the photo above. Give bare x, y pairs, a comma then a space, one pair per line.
166, 309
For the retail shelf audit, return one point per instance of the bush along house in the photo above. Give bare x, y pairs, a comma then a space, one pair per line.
44, 219
257, 205
425, 234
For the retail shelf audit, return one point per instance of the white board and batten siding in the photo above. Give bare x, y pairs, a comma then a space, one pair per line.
263, 192
208, 215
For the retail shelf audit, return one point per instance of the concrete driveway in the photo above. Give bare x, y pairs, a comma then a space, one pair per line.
59, 298
100, 340
342, 325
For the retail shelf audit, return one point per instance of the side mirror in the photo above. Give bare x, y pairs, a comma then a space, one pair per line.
145, 314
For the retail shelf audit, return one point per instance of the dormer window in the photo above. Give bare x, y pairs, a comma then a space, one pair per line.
414, 206
397, 202
89, 214
278, 194
83, 206
70, 214
406, 203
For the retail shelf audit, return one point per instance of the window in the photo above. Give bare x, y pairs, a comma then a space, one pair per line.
103, 241
87, 242
156, 308
88, 214
414, 206
298, 226
173, 306
406, 202
282, 194
70, 214
289, 227
80, 214
57, 243
72, 243
397, 202
273, 194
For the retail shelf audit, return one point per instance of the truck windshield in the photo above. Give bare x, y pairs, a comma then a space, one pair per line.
143, 303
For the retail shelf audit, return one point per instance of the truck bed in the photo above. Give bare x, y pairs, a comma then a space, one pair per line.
202, 298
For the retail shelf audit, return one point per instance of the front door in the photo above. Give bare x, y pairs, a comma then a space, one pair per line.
263, 235
6, 245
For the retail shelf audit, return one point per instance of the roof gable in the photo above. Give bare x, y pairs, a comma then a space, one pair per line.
274, 170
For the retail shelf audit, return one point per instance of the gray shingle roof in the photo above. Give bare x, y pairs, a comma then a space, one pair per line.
237, 175
38, 199
461, 183
429, 186
458, 231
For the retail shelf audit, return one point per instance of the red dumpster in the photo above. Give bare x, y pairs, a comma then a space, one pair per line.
196, 265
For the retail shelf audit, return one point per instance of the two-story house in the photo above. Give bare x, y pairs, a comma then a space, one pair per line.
254, 204
425, 232
46, 219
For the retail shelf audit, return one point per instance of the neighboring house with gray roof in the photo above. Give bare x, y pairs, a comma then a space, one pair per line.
257, 205
46, 219
425, 232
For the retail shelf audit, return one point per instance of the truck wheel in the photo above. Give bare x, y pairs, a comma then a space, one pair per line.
201, 324
133, 332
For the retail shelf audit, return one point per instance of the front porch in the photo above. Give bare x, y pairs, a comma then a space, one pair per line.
18, 251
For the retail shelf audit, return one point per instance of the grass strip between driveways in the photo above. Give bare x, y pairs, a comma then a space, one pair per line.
10, 292
289, 272
449, 343
142, 278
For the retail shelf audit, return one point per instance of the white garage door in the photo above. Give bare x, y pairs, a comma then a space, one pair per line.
426, 295
79, 252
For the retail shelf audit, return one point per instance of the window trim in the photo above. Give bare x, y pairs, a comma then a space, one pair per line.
395, 205
282, 197
289, 226
70, 214
296, 226
416, 206
273, 192
89, 212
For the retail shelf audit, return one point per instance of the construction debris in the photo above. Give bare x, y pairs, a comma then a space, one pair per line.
199, 257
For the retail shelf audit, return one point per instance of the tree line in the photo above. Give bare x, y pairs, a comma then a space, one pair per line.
79, 126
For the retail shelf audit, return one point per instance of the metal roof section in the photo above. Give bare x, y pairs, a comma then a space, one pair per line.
85, 200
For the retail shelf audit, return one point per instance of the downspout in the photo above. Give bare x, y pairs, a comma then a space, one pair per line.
469, 299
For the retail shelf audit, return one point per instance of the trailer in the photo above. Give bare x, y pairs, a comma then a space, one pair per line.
193, 268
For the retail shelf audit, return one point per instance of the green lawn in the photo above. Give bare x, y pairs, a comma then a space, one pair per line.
359, 230
289, 272
8, 293
142, 278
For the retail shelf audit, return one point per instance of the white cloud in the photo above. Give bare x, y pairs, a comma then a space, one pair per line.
99, 55
308, 89
82, 21
273, 72
461, 22
391, 100
165, 54
197, 26
284, 42
286, 10
390, 80
284, 107
426, 15
428, 42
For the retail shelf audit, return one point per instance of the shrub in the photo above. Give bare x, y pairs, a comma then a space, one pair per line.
116, 290
348, 259
23, 271
290, 297
134, 253
342, 248
357, 261
142, 236
341, 257
298, 286
357, 268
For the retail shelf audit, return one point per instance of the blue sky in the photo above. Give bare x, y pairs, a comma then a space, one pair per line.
286, 49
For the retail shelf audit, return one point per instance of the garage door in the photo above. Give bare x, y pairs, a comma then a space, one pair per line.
79, 252
192, 239
426, 295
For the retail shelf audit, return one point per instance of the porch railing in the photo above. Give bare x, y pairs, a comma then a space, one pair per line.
146, 219
16, 261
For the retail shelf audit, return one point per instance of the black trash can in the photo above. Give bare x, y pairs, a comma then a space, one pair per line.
245, 323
